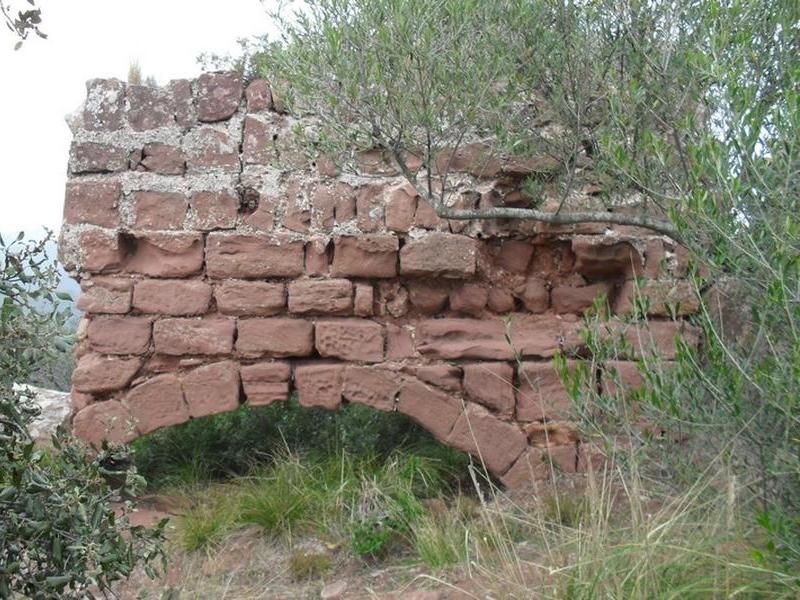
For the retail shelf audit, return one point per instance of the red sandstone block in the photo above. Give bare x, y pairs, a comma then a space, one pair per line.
425, 217
463, 338
250, 298
363, 300
618, 376
319, 384
399, 342
166, 254
434, 410
89, 157
439, 255
534, 295
172, 296
214, 210
181, 92
156, 403
104, 106
212, 389
661, 298
447, 377
92, 203
599, 259
655, 259
372, 386
541, 393
469, 298
544, 335
317, 259
529, 470
331, 204
218, 95
159, 158
96, 373
266, 382
492, 385
275, 337
149, 107
568, 299
105, 295
159, 210
211, 147
498, 443
369, 207
500, 300
258, 146
350, 339
550, 433
429, 297
259, 97
514, 256
119, 335
400, 208
108, 420
194, 336
321, 296
392, 299
253, 256
365, 256
654, 338
297, 214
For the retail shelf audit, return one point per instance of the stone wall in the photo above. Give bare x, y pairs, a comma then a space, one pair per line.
220, 265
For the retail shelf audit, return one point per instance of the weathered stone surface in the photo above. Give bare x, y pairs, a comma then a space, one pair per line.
321, 296
149, 108
492, 385
253, 256
541, 393
543, 335
447, 377
497, 443
469, 298
275, 337
212, 389
159, 158
392, 299
108, 420
439, 255
401, 205
654, 338
595, 259
350, 339
529, 470
374, 386
250, 298
92, 203
172, 296
514, 255
119, 335
266, 382
363, 300
211, 148
258, 146
181, 92
399, 342
369, 207
428, 297
194, 336
100, 251
534, 295
105, 105
432, 409
500, 300
463, 338
159, 210
259, 96
166, 255
105, 295
619, 376
660, 298
331, 204
317, 258
319, 384
156, 403
214, 210
477, 159
546, 434
218, 95
365, 256
567, 299
91, 157
96, 373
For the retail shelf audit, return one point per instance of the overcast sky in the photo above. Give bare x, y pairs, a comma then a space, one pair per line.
45, 80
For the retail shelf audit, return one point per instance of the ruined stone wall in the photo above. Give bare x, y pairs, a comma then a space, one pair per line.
220, 265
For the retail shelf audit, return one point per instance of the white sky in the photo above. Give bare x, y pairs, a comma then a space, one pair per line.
45, 80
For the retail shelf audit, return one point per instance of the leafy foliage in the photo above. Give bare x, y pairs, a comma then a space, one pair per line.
24, 22
60, 535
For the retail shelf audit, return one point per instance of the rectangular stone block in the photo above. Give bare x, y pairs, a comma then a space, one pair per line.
96, 373
107, 295
119, 335
492, 385
319, 384
365, 256
266, 382
661, 298
275, 337
373, 386
541, 393
214, 210
165, 254
194, 336
177, 297
155, 211
100, 251
250, 298
439, 255
253, 256
156, 403
497, 443
90, 157
212, 389
159, 158
463, 338
92, 203
350, 339
321, 296
433, 409
567, 299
